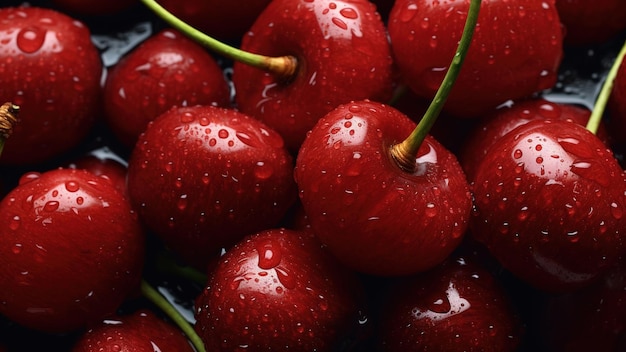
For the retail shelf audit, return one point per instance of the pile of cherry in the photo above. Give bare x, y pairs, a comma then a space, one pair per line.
298, 200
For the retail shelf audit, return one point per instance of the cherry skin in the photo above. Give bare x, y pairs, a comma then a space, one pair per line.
72, 250
600, 311
141, 331
277, 290
52, 71
506, 118
203, 177
102, 162
458, 306
343, 54
372, 215
166, 70
588, 22
549, 204
94, 7
515, 52
224, 20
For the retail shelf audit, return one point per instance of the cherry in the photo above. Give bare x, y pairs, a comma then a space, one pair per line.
52, 71
589, 22
104, 163
506, 118
225, 20
516, 51
381, 206
94, 7
165, 70
549, 203
458, 306
140, 331
72, 250
203, 177
277, 290
295, 82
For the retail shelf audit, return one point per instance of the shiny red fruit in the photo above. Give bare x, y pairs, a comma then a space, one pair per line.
51, 69
373, 216
141, 331
458, 306
278, 290
506, 118
166, 70
343, 54
203, 177
226, 20
515, 52
549, 205
71, 250
589, 22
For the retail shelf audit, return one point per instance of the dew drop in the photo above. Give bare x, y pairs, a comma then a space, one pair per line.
51, 206
263, 171
269, 255
408, 13
72, 186
31, 39
431, 210
17, 248
517, 154
616, 211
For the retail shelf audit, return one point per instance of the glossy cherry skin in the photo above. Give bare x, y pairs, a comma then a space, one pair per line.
71, 250
600, 316
140, 331
166, 70
52, 71
506, 118
591, 22
203, 177
94, 7
343, 54
515, 52
458, 306
278, 290
226, 20
372, 215
106, 164
549, 205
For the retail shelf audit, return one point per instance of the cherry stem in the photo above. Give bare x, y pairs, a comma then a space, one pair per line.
282, 67
155, 297
8, 120
605, 93
404, 153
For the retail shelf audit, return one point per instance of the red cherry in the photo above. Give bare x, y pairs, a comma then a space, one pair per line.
52, 71
549, 204
589, 22
94, 7
591, 319
515, 52
343, 54
278, 290
164, 71
374, 216
459, 306
506, 118
228, 20
71, 252
102, 162
141, 331
203, 177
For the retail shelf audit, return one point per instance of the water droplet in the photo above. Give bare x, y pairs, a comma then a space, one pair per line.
182, 202
269, 255
222, 133
31, 39
51, 206
72, 186
431, 210
17, 248
289, 281
408, 12
517, 154
616, 211
14, 224
263, 171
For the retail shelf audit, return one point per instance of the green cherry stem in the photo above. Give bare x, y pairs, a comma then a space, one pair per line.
404, 152
283, 67
8, 119
605, 93
155, 297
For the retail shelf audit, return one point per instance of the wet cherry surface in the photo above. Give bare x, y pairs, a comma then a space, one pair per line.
579, 79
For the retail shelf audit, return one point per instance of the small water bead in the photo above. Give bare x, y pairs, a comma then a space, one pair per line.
31, 39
